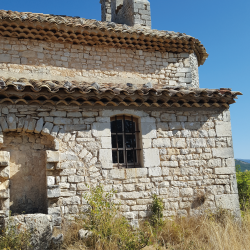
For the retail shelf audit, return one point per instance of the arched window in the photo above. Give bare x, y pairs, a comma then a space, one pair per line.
125, 141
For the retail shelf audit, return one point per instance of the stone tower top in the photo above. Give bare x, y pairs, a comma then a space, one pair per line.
129, 12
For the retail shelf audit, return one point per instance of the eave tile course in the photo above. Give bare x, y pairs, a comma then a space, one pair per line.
75, 30
28, 91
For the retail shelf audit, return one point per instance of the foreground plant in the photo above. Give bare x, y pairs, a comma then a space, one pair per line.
14, 238
110, 230
243, 181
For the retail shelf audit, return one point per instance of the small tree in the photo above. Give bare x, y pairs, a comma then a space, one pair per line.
243, 181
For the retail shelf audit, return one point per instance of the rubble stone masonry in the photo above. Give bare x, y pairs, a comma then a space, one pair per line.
186, 158
61, 61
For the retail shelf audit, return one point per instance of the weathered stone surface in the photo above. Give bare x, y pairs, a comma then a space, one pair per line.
151, 157
226, 170
4, 124
47, 128
62, 121
176, 162
51, 180
12, 122
198, 143
68, 156
161, 143
165, 117
4, 191
110, 113
40, 226
84, 134
187, 192
178, 143
53, 191
74, 128
223, 128
106, 142
223, 152
39, 126
148, 130
136, 173
31, 126
146, 143
105, 157
118, 174
20, 125
154, 172
4, 158
58, 113
89, 114
52, 156
5, 172
162, 126
101, 129
175, 126
228, 201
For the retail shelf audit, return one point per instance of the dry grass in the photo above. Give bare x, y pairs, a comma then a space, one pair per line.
111, 231
220, 232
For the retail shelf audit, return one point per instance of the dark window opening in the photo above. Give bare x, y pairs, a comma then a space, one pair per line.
125, 141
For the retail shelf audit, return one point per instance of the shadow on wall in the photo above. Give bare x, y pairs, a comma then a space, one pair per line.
28, 188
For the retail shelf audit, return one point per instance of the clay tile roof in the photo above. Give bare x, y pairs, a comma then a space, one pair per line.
42, 92
76, 30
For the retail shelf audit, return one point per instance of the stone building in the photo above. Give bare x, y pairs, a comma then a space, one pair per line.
109, 102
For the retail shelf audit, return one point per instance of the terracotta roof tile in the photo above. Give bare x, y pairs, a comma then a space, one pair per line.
28, 91
26, 25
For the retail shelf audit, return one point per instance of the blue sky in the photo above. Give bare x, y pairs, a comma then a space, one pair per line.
222, 26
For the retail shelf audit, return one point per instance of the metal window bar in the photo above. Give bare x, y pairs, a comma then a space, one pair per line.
117, 152
125, 149
124, 142
133, 134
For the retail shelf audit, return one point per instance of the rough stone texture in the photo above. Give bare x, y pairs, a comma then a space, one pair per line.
129, 12
52, 156
228, 201
27, 173
68, 62
178, 161
40, 226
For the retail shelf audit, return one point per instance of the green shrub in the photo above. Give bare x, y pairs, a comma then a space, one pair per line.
243, 181
12, 238
110, 230
157, 208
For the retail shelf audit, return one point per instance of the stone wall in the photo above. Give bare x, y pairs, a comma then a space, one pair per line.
58, 61
129, 12
27, 172
186, 158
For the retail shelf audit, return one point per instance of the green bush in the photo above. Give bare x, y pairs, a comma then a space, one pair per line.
157, 208
243, 181
12, 238
110, 230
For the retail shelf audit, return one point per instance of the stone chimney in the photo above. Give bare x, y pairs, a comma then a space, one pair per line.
129, 12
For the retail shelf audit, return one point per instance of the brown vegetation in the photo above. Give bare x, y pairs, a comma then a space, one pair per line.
221, 232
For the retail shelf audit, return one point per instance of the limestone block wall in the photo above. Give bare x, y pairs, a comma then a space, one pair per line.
186, 158
129, 12
66, 62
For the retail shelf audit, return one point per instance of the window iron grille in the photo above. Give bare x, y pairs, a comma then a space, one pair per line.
125, 141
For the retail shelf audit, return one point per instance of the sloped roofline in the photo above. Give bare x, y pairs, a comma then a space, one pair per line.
42, 92
76, 30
